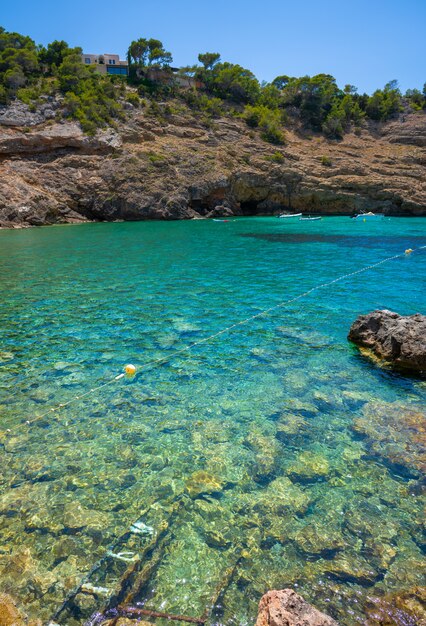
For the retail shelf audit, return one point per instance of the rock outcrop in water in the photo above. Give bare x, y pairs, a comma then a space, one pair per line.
399, 340
287, 608
178, 166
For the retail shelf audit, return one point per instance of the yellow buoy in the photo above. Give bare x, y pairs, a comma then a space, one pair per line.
130, 369
409, 251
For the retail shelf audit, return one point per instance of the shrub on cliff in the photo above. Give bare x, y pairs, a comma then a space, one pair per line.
229, 81
267, 120
133, 99
210, 106
416, 99
384, 103
344, 111
313, 96
89, 97
18, 63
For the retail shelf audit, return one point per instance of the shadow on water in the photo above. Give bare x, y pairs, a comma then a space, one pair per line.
352, 241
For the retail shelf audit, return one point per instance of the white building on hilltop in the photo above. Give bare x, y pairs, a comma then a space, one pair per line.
106, 63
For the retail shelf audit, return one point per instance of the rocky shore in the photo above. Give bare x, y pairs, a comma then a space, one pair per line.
276, 608
181, 166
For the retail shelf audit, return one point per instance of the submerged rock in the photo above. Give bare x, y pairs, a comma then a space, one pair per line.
399, 340
319, 540
396, 433
287, 608
280, 498
407, 608
309, 467
202, 482
353, 568
9, 613
289, 425
267, 451
76, 516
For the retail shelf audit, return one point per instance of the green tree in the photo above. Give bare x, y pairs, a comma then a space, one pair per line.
72, 73
375, 105
145, 52
52, 56
209, 59
350, 89
384, 103
14, 78
270, 96
231, 82
18, 63
281, 81
160, 57
138, 51
415, 98
313, 96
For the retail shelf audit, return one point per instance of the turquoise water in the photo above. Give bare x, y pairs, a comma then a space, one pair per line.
274, 455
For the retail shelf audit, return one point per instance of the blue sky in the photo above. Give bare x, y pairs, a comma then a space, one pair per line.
365, 43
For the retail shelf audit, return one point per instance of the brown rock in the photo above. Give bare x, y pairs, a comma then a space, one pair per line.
9, 614
287, 608
399, 340
220, 210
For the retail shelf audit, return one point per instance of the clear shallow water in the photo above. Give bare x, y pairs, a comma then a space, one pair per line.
275, 450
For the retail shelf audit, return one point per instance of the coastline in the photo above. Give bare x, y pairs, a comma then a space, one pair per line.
198, 218
179, 168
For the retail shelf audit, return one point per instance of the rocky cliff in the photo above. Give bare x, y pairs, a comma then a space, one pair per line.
180, 165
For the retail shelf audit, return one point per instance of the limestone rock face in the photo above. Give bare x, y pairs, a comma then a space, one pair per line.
287, 608
406, 133
400, 340
19, 114
177, 167
65, 135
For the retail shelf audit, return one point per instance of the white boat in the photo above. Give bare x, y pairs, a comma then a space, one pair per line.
309, 219
364, 217
287, 215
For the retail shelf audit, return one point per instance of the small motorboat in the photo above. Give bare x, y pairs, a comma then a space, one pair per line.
287, 215
310, 219
364, 217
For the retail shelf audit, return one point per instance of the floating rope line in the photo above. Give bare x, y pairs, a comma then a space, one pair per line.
167, 357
